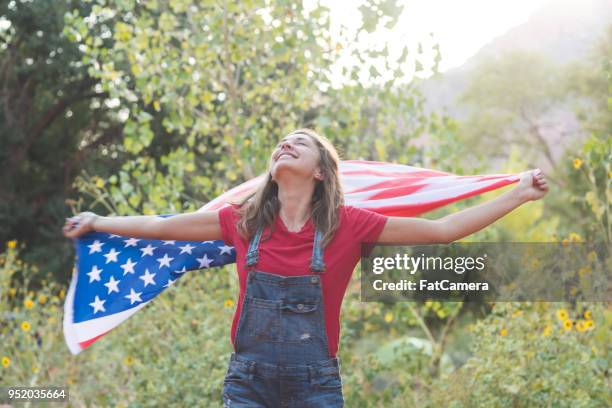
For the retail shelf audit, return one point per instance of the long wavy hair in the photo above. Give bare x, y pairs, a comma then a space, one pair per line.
262, 206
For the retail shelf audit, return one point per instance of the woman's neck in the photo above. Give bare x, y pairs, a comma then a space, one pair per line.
295, 207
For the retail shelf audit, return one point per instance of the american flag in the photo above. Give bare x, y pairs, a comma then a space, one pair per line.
116, 276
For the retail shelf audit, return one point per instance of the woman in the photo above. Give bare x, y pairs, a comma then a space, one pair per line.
296, 247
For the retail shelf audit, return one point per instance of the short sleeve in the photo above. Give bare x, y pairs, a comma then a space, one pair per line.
366, 225
227, 221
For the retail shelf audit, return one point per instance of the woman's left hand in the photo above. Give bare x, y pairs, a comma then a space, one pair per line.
532, 185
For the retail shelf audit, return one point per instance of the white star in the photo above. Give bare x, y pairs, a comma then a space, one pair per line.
226, 249
128, 267
208, 242
187, 248
182, 270
148, 278
148, 250
170, 282
111, 256
95, 247
114, 236
94, 275
133, 296
112, 285
165, 261
204, 261
169, 242
98, 305
130, 242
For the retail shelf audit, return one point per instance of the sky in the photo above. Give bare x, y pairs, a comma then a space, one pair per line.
460, 27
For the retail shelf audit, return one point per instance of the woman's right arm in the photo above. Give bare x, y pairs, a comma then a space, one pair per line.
195, 226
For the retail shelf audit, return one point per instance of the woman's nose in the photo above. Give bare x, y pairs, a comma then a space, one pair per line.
285, 145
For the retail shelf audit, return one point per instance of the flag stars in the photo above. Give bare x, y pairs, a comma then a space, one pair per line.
94, 275
204, 261
165, 261
128, 267
182, 270
187, 248
148, 278
148, 250
95, 247
112, 285
98, 305
134, 296
111, 256
225, 249
170, 242
130, 242
169, 283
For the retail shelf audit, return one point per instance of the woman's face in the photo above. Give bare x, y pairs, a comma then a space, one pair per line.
295, 154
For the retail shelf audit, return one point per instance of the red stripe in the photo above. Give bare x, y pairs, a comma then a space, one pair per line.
87, 343
410, 210
393, 188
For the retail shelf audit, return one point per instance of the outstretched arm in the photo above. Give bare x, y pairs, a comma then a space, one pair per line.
195, 226
408, 230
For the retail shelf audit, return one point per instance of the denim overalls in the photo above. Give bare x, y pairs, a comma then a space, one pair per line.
282, 357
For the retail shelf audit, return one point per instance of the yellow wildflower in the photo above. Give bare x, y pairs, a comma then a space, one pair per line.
42, 299
99, 182
574, 237
588, 324
12, 244
565, 241
28, 304
228, 303
577, 163
503, 332
34, 370
562, 314
128, 361
62, 293
567, 325
25, 326
588, 315
5, 361
547, 330
388, 317
580, 326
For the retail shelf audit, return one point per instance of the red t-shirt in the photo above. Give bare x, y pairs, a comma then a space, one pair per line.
288, 253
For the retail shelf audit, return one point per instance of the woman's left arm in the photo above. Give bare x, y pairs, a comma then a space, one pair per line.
409, 230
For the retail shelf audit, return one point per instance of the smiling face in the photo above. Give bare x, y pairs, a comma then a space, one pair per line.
298, 154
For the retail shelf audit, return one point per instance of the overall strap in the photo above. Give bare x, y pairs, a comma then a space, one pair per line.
317, 264
253, 252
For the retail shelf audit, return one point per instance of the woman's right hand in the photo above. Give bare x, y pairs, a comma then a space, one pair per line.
79, 224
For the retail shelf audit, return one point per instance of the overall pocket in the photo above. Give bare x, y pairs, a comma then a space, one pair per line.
300, 321
263, 319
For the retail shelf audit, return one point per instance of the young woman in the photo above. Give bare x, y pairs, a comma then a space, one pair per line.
296, 247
